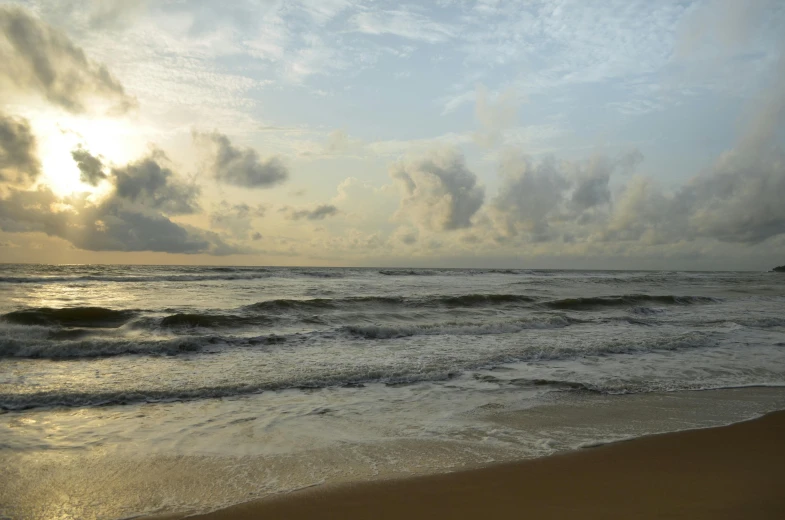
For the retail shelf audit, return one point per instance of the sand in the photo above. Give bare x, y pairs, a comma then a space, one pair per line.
732, 472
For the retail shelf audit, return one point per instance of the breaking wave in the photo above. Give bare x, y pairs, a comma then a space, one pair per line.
455, 328
467, 300
599, 302
211, 321
98, 347
98, 317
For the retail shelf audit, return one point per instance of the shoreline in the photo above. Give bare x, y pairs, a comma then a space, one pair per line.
733, 471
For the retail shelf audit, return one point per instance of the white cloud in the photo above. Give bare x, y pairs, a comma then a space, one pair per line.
403, 23
438, 191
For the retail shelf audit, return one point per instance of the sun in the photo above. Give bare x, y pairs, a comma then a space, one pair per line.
115, 141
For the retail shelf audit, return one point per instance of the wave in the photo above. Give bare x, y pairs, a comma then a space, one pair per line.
472, 300
646, 311
760, 323
99, 347
449, 272
408, 272
356, 375
42, 343
135, 279
454, 328
96, 317
557, 384
212, 321
599, 302
467, 300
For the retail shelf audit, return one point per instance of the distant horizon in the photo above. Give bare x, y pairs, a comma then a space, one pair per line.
402, 267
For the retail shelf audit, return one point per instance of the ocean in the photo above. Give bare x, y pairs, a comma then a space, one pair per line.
130, 390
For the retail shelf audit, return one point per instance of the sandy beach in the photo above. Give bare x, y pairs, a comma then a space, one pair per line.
732, 472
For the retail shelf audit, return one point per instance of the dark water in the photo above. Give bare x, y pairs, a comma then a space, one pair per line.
305, 327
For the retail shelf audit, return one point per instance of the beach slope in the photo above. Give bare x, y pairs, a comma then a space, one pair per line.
732, 472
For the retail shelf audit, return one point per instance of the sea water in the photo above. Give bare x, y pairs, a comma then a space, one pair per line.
130, 390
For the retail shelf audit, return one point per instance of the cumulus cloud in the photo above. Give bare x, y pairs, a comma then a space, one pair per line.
529, 193
738, 199
438, 191
319, 212
548, 199
18, 160
135, 216
236, 219
150, 183
242, 167
91, 169
39, 59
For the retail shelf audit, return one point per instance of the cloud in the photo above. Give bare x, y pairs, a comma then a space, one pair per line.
738, 199
494, 116
151, 184
114, 14
18, 159
337, 141
319, 212
439, 192
228, 164
402, 23
236, 218
91, 169
108, 226
722, 26
135, 216
405, 235
538, 196
529, 194
42, 60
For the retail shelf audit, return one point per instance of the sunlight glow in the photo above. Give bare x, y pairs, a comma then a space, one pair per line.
114, 140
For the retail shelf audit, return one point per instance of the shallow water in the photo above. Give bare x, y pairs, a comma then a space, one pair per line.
138, 378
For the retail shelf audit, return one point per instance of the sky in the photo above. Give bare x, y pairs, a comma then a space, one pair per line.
619, 134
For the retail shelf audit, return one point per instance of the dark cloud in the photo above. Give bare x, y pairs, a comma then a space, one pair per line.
439, 192
239, 167
115, 227
134, 217
91, 169
320, 212
42, 60
18, 159
151, 184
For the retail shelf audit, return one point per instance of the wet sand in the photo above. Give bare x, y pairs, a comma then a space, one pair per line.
732, 472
